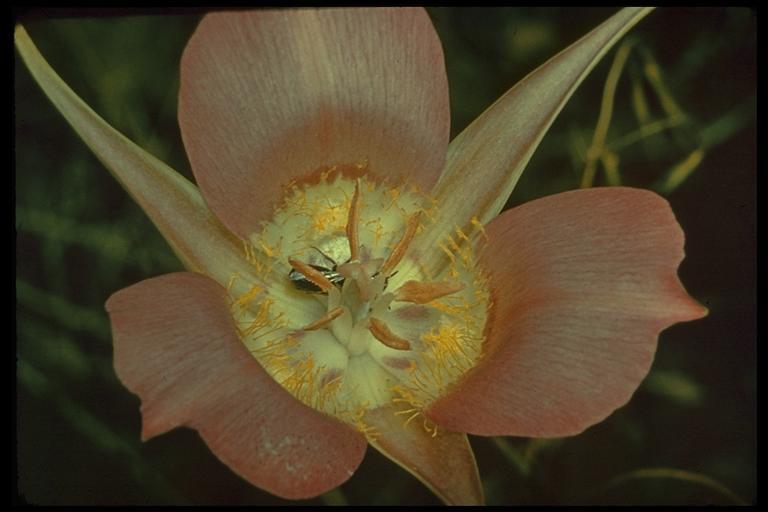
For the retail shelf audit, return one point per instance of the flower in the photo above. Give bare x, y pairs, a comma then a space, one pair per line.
350, 281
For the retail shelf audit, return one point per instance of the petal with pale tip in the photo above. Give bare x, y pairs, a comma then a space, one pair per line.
444, 462
174, 204
489, 156
582, 283
177, 348
284, 93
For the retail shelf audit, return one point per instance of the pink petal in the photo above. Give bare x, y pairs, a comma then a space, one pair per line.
444, 463
582, 283
176, 347
268, 96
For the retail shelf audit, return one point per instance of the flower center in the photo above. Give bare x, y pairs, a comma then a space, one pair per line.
348, 316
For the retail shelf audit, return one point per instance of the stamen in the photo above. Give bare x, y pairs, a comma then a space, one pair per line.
382, 333
352, 222
424, 292
324, 320
399, 251
313, 276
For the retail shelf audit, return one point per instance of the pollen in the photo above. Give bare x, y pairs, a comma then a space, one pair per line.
349, 313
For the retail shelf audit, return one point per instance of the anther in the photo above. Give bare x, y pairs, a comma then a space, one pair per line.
313, 276
424, 292
382, 333
399, 251
352, 222
324, 320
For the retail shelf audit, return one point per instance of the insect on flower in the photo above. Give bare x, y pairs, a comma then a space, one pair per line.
437, 316
302, 282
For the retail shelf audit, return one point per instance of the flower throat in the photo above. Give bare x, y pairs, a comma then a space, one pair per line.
346, 315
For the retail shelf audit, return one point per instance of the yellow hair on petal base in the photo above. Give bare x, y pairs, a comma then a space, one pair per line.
344, 316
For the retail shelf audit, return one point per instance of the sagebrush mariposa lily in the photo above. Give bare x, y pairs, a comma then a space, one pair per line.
349, 278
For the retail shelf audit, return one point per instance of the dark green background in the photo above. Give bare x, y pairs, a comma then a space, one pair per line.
79, 238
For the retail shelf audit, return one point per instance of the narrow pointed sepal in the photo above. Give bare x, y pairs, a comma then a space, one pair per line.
443, 461
489, 156
173, 204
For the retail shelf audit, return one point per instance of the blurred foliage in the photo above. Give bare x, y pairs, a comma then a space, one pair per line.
672, 109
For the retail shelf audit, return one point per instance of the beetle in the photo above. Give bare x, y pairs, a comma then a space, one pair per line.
300, 281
